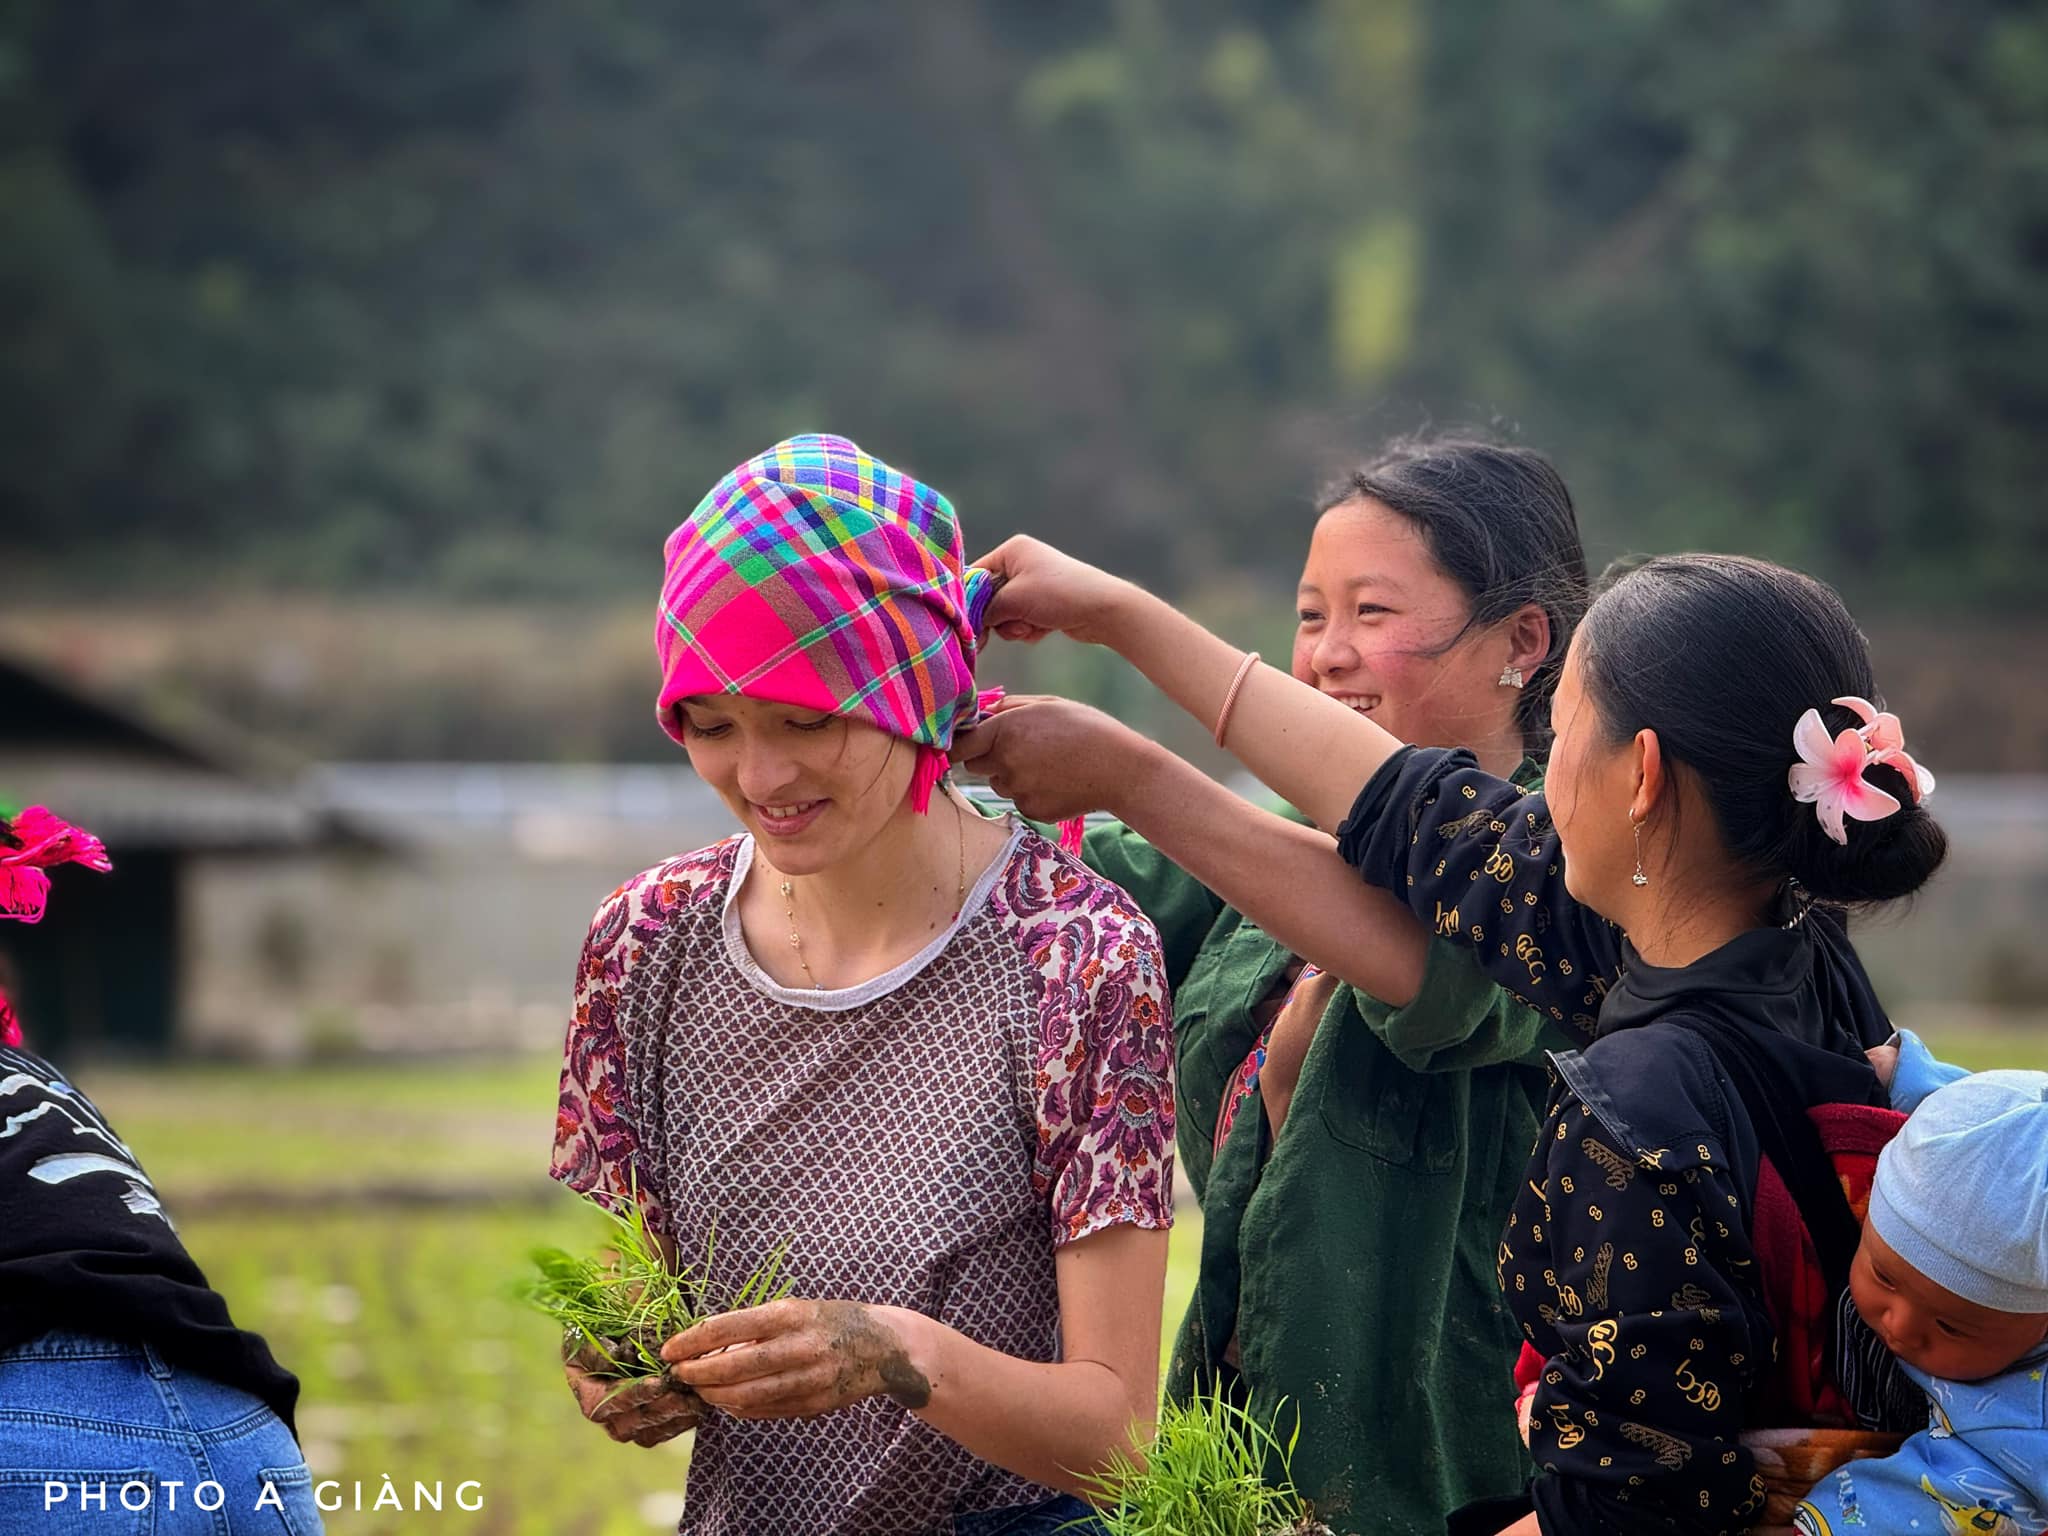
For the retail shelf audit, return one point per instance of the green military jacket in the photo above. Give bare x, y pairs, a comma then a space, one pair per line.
1354, 1260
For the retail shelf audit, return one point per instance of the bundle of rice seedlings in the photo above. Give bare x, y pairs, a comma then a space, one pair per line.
619, 1306
1204, 1475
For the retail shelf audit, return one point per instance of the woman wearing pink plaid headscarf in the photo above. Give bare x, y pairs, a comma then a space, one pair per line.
926, 1049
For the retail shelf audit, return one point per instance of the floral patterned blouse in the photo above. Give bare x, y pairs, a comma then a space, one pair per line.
926, 1139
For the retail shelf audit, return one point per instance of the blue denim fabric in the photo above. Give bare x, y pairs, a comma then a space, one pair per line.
87, 1414
1043, 1519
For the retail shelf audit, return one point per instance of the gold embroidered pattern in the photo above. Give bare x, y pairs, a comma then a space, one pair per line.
1701, 1394
1568, 1434
1671, 1452
1465, 825
1600, 1344
1618, 1168
1596, 1284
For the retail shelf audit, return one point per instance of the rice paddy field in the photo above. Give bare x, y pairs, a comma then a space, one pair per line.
373, 1220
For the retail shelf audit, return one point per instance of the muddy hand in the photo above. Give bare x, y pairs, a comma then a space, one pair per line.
1053, 758
1045, 591
643, 1412
795, 1359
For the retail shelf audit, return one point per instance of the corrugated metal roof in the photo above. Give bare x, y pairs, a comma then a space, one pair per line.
425, 795
137, 786
134, 802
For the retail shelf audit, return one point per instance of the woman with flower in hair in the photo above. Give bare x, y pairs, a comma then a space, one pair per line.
1721, 793
927, 1050
120, 1369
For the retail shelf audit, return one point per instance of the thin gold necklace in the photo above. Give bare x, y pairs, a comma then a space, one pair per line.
960, 875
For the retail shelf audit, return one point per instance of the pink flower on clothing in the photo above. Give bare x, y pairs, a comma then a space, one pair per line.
45, 841
23, 893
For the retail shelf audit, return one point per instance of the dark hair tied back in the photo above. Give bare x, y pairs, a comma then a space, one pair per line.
1500, 522
1720, 656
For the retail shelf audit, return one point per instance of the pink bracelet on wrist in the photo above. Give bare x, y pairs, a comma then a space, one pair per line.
1244, 670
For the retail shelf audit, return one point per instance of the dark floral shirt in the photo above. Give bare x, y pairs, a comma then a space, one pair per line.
1627, 1258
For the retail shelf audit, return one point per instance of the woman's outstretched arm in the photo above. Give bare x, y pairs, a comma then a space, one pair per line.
1314, 752
1056, 758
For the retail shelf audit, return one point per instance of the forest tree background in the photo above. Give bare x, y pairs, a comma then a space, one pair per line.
450, 309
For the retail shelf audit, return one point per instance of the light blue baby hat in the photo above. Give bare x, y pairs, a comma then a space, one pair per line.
1961, 1193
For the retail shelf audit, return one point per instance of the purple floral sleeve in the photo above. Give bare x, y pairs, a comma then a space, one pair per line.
1105, 1055
597, 1147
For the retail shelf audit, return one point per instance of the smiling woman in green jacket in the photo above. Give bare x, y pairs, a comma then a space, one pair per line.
1369, 1154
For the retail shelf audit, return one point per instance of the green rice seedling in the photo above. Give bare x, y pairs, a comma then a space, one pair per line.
623, 1303
1205, 1475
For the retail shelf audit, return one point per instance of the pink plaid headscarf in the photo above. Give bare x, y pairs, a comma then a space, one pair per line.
815, 575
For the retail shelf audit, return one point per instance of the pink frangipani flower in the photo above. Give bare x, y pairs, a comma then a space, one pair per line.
10, 1026
1829, 777
1886, 739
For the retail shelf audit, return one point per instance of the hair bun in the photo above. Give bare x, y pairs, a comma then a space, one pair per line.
1723, 657
1883, 860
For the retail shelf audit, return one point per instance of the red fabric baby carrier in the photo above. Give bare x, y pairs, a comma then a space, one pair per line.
1802, 1390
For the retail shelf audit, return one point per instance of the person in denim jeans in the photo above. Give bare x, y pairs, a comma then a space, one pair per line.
103, 1435
129, 1400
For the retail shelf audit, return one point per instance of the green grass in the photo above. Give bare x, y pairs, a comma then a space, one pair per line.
207, 1127
623, 1302
417, 1360
1984, 1049
1205, 1475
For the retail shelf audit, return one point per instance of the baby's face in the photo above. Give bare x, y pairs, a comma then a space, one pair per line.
1929, 1326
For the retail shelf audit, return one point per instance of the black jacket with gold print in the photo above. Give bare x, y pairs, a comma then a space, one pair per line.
1627, 1259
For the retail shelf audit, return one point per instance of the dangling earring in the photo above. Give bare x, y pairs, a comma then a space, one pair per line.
1511, 677
1638, 878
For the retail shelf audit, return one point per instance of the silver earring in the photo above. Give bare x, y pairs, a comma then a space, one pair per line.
1511, 677
1638, 878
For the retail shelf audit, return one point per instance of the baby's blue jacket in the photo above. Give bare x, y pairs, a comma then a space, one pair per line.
1980, 1468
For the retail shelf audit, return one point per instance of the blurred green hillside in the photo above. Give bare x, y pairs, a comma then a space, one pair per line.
475, 297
